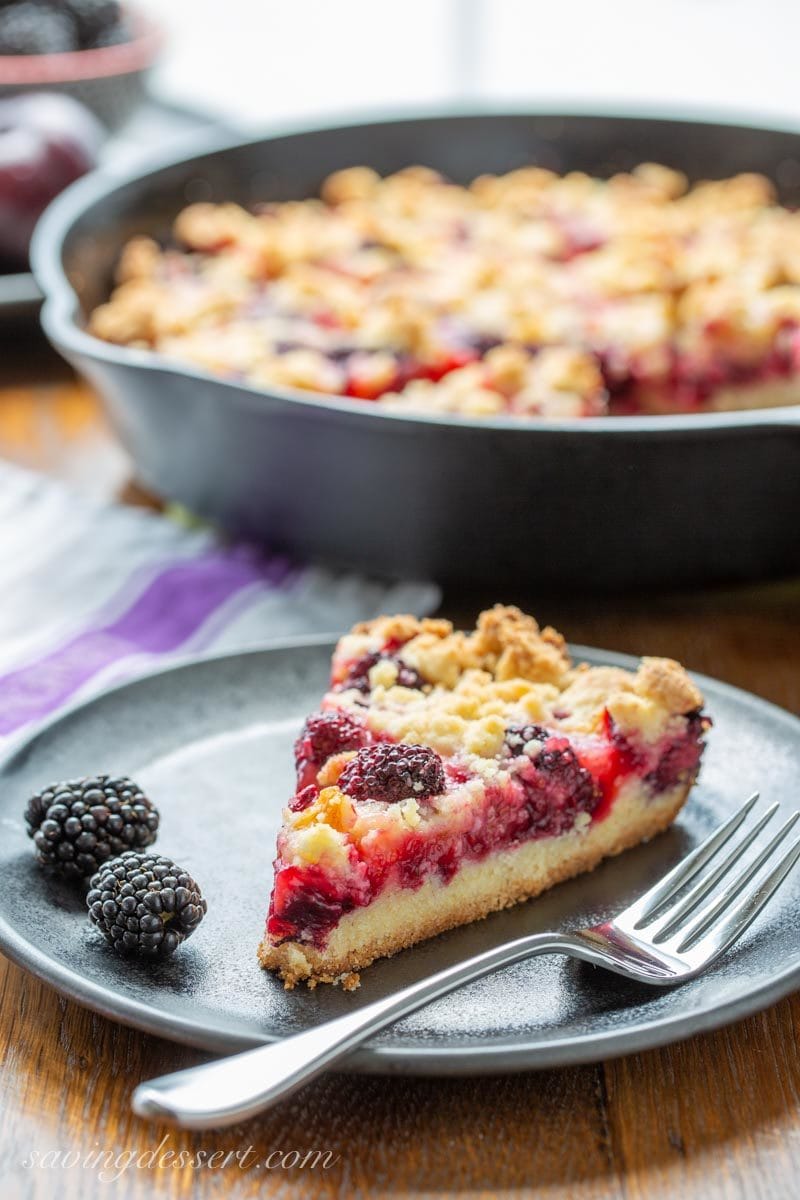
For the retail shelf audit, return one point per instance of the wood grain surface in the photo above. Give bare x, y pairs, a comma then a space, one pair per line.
714, 1117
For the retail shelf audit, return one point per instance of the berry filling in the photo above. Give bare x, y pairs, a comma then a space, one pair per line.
304, 798
555, 787
519, 737
691, 383
306, 904
681, 759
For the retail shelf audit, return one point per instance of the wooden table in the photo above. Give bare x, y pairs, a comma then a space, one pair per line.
717, 1116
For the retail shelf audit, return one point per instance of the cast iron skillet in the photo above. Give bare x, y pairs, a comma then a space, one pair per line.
594, 504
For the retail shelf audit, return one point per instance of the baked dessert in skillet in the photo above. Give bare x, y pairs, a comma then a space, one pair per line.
448, 775
528, 294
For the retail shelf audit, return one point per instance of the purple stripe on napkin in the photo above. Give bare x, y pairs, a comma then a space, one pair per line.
169, 611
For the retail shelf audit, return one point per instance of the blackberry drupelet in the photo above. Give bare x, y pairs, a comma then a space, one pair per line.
144, 904
393, 773
78, 825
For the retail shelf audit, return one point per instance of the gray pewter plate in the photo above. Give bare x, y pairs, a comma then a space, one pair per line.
211, 742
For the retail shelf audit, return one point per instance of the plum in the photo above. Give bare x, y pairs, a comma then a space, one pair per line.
46, 142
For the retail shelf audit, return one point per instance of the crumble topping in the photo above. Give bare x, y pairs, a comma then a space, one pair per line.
508, 674
508, 671
506, 643
530, 293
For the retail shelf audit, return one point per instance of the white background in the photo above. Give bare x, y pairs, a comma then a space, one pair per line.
263, 61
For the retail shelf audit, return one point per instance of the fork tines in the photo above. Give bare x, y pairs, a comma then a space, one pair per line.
675, 920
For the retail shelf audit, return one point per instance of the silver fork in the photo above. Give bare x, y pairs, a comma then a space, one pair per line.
667, 936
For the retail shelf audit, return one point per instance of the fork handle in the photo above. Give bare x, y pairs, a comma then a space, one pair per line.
231, 1089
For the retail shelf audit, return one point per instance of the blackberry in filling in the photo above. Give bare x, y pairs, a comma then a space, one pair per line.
556, 787
306, 903
681, 758
519, 736
393, 773
357, 676
678, 758
326, 734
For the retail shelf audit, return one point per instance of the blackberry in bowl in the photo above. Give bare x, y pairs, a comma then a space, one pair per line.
36, 27
97, 51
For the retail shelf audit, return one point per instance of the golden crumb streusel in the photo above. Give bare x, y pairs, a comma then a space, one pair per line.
508, 670
529, 294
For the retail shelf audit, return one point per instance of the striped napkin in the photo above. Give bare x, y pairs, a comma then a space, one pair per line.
92, 593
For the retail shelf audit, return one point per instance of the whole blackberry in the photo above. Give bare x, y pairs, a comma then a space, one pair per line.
325, 734
393, 773
144, 904
77, 825
93, 19
35, 28
358, 675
